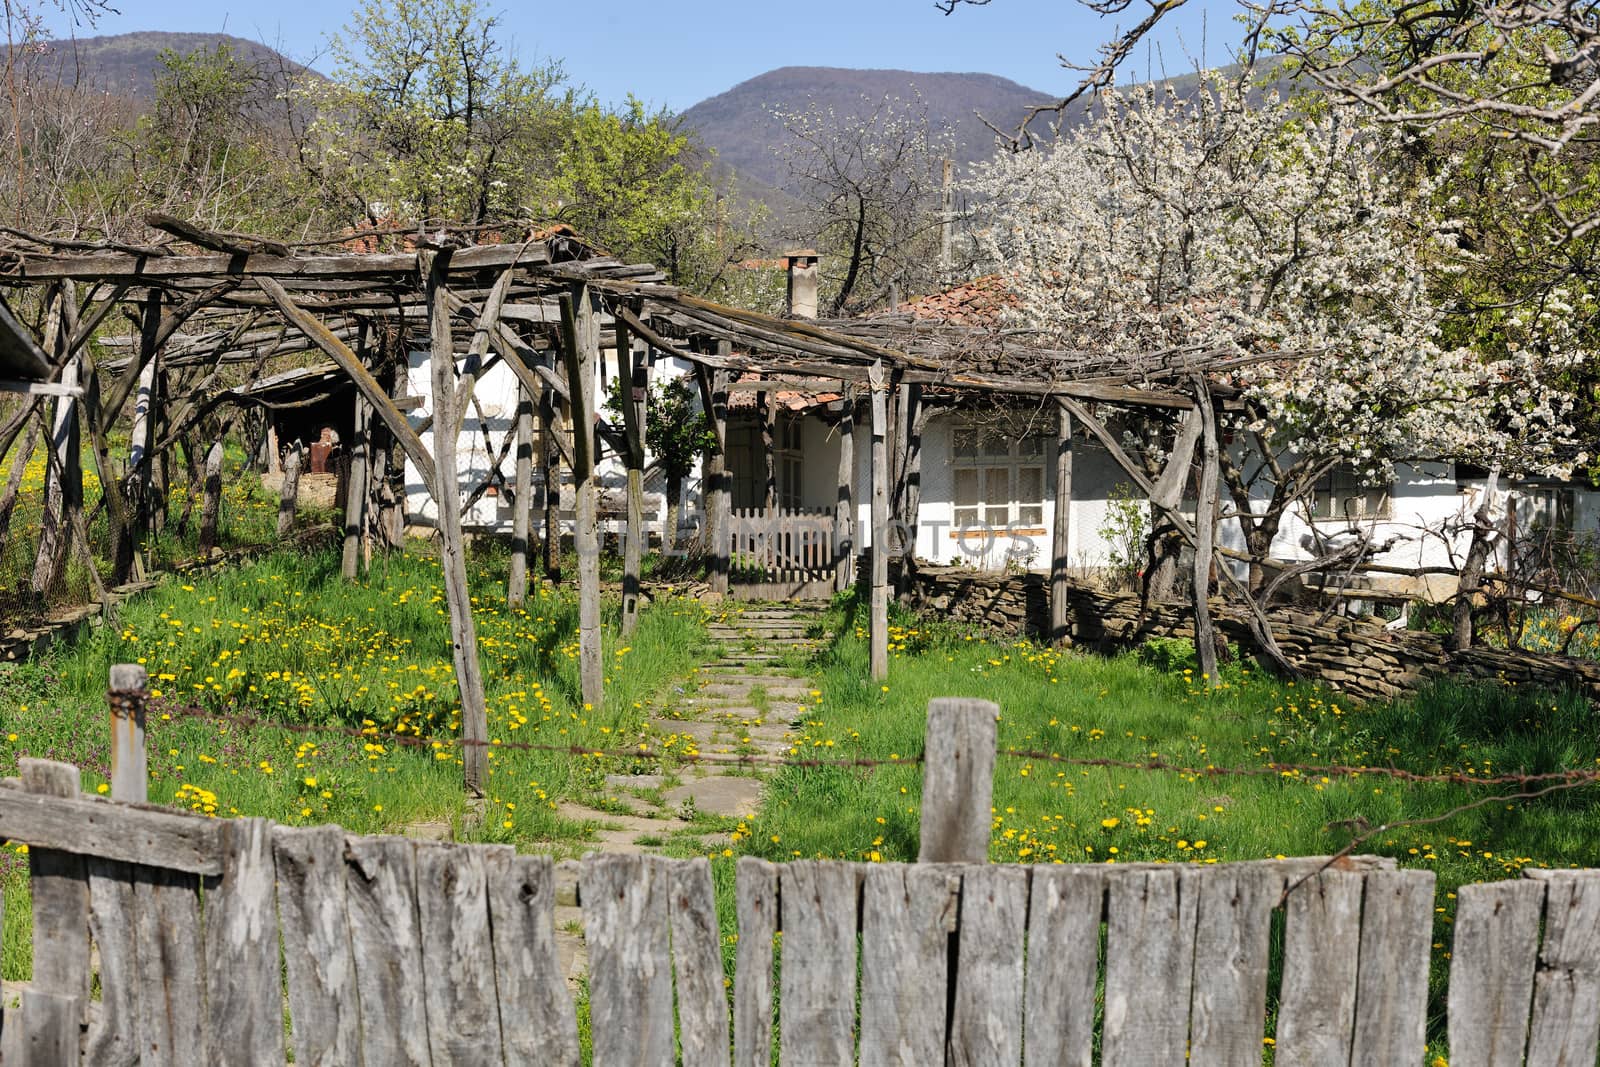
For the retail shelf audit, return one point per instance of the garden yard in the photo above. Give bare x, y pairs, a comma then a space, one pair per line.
282, 691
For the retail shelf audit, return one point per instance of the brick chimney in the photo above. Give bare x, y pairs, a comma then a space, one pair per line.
802, 268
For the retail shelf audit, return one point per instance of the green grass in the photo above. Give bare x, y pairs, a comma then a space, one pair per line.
285, 640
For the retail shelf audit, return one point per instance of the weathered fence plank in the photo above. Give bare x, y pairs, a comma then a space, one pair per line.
1321, 947
1064, 910
241, 938
457, 955
986, 1017
324, 1015
907, 916
697, 963
539, 1023
1493, 953
1149, 955
381, 903
958, 780
630, 976
817, 978
756, 890
51, 1024
60, 886
114, 1031
90, 826
1566, 990
1233, 935
1392, 976
171, 966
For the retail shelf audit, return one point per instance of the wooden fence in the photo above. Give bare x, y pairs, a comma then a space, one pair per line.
161, 937
785, 545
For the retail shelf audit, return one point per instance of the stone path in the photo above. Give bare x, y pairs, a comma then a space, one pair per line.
744, 700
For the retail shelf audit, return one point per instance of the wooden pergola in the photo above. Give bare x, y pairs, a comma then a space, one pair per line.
545, 307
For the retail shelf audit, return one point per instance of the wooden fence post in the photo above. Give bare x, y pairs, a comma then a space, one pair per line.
129, 762
958, 780
60, 884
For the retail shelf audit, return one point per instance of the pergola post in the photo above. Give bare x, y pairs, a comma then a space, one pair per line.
522, 504
550, 472
635, 374
844, 513
1205, 528
767, 403
63, 469
1060, 534
580, 326
355, 500
715, 483
452, 549
142, 440
289, 488
879, 623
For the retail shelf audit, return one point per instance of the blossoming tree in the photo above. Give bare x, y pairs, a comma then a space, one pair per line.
1300, 239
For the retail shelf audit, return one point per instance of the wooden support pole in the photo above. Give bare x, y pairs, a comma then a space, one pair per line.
1205, 528
768, 404
635, 389
452, 547
1061, 532
844, 506
580, 326
550, 473
879, 621
289, 488
522, 504
716, 483
211, 508
355, 499
63, 470
140, 442
958, 780
130, 776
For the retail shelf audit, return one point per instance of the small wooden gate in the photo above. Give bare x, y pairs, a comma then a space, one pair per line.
782, 545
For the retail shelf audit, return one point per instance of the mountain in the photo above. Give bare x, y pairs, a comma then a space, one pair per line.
126, 63
740, 123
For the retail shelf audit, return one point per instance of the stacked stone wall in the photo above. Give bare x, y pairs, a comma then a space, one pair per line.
1353, 654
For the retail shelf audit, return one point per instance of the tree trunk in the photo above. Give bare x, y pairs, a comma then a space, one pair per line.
1483, 532
213, 498
522, 505
669, 525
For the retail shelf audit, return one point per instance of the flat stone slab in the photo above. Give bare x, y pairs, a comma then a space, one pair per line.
635, 781
734, 798
614, 824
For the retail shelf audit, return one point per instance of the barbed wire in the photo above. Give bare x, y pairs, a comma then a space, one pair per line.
1566, 777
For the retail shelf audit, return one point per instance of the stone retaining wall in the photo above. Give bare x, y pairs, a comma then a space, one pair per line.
1355, 655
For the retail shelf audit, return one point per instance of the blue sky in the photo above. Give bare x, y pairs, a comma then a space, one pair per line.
675, 53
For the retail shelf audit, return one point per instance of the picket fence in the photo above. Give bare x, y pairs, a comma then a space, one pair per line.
783, 545
395, 951
162, 937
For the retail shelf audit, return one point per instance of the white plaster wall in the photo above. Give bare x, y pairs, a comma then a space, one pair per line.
496, 393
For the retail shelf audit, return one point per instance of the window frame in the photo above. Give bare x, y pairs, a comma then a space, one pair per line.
1346, 483
1022, 453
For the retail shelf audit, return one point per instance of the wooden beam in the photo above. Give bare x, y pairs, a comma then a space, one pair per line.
452, 549
522, 504
580, 329
879, 620
350, 363
1061, 534
136, 269
40, 388
844, 513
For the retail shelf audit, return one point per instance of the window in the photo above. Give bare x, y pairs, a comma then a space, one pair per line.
999, 480
1346, 494
1541, 508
